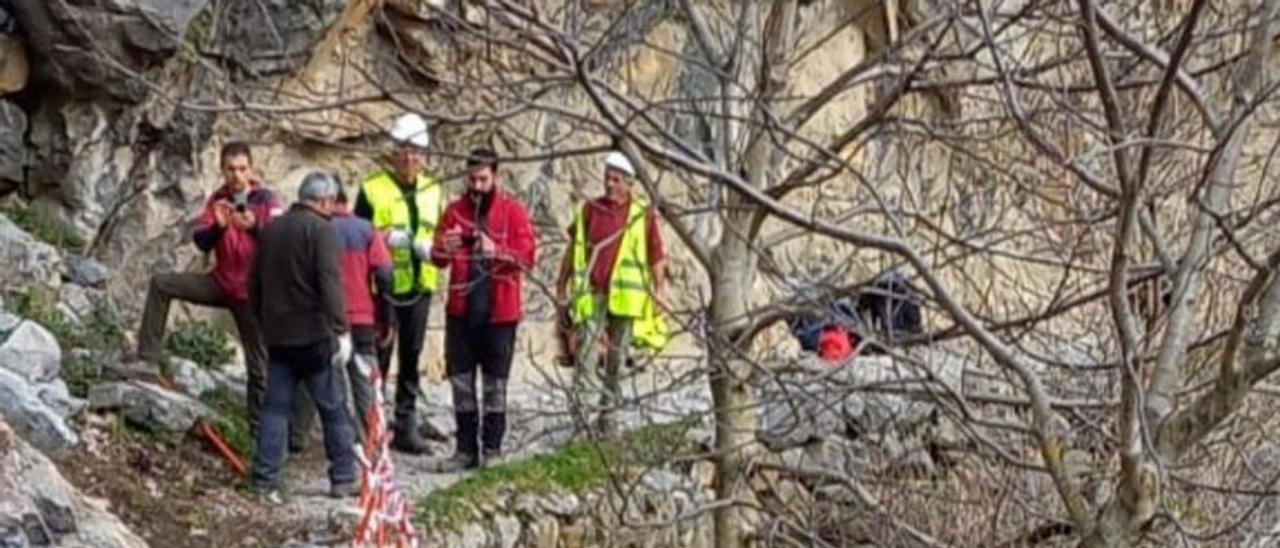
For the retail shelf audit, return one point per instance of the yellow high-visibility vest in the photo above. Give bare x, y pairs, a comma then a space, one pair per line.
391, 212
629, 284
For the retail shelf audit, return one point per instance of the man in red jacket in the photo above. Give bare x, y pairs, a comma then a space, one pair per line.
228, 227
486, 240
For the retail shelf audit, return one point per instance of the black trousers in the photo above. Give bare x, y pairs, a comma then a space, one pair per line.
411, 333
489, 349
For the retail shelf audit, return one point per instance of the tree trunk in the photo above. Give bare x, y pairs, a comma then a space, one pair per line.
730, 386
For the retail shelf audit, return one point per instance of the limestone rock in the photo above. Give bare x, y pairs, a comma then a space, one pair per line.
69, 39
543, 533
25, 260
507, 531
39, 507
14, 68
8, 322
149, 405
21, 407
191, 378
80, 303
13, 130
86, 271
32, 352
565, 505
59, 399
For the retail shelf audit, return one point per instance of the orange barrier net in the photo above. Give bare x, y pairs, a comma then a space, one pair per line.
386, 515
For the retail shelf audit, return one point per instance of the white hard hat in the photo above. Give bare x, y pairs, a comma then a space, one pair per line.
410, 128
618, 161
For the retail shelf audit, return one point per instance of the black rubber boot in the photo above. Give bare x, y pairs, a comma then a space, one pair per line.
406, 439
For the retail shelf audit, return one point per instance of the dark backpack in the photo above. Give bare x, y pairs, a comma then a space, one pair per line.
893, 306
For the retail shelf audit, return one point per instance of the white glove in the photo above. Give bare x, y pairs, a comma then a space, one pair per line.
399, 238
343, 354
365, 364
422, 249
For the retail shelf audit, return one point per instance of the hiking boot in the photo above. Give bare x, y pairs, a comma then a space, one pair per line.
408, 440
430, 432
459, 462
268, 496
490, 457
344, 490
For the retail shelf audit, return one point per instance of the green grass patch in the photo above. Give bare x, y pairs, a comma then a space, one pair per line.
43, 226
233, 420
578, 467
100, 335
202, 343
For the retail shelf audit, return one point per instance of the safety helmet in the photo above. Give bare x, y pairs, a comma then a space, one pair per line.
618, 161
410, 129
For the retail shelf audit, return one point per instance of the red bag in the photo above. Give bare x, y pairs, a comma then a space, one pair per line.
835, 343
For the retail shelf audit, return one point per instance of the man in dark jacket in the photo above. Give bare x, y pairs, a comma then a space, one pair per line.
228, 227
296, 292
486, 240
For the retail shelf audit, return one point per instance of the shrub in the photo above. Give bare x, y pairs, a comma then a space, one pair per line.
202, 343
100, 336
233, 420
42, 226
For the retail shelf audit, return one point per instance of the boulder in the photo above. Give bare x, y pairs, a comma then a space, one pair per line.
13, 130
41, 508
32, 352
8, 322
21, 406
192, 379
24, 259
128, 370
149, 405
79, 303
817, 402
14, 68
56, 396
278, 40
69, 40
86, 271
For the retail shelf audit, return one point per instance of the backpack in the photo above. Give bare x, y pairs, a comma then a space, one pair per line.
893, 306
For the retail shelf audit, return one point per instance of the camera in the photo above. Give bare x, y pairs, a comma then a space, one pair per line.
240, 208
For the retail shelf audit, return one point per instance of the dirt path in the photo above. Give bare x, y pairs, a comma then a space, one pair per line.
173, 491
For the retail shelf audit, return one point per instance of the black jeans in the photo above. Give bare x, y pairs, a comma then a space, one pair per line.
411, 333
489, 348
309, 364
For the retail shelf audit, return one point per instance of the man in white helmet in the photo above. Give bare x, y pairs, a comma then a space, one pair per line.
404, 204
616, 264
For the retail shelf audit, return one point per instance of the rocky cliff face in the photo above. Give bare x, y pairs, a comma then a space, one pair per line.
39, 507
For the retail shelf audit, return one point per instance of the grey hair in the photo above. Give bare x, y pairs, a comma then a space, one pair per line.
317, 186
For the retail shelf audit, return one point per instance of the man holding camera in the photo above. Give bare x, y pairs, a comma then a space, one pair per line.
405, 204
486, 240
229, 227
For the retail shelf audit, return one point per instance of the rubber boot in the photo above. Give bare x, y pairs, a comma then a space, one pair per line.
407, 439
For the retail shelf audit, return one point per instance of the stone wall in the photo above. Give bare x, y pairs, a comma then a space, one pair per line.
660, 508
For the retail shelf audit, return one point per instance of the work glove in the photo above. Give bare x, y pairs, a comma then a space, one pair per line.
365, 364
343, 353
399, 238
422, 249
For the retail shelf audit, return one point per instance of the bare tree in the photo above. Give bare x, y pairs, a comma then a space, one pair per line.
1038, 166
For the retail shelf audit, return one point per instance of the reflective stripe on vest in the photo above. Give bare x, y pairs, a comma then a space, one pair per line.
390, 212
629, 282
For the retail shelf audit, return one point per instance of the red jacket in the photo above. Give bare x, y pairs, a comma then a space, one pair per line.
234, 249
511, 231
364, 258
